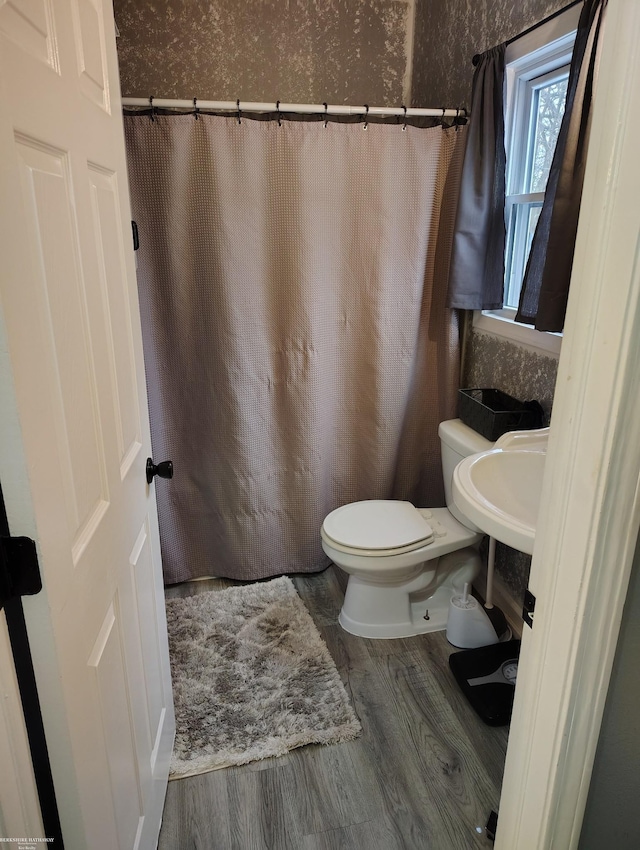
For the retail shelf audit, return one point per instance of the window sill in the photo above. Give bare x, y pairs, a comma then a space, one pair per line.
500, 323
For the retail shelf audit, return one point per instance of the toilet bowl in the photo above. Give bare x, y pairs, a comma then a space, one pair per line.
404, 563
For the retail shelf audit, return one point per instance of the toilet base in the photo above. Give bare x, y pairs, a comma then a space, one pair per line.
437, 608
397, 610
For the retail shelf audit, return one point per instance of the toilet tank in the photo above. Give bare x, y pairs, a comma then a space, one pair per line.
458, 441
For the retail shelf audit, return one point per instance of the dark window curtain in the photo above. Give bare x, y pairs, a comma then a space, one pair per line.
543, 300
476, 281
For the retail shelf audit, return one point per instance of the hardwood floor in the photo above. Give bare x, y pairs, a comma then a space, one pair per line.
424, 774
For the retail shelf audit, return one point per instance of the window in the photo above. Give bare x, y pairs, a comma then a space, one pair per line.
537, 71
535, 126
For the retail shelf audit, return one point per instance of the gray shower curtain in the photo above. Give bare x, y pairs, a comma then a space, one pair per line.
299, 353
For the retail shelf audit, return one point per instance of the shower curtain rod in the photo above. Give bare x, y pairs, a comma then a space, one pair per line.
302, 108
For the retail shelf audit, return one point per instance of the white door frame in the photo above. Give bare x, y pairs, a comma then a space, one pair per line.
589, 515
25, 819
19, 805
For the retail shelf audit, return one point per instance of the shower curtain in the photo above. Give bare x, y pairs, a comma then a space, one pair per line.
298, 350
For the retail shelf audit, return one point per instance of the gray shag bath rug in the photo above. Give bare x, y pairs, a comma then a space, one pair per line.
252, 678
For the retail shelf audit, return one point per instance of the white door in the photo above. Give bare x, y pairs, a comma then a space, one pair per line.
75, 432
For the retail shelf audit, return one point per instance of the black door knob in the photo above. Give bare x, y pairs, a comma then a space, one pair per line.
163, 470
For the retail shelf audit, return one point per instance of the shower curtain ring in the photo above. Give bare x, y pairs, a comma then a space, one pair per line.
196, 111
152, 114
442, 116
366, 117
239, 114
278, 111
404, 126
326, 120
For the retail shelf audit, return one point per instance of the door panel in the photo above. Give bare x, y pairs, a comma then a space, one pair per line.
107, 661
115, 305
142, 570
60, 289
30, 26
90, 51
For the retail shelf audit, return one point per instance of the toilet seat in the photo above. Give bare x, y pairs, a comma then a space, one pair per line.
377, 528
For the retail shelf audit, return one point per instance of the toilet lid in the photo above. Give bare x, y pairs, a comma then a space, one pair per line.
377, 524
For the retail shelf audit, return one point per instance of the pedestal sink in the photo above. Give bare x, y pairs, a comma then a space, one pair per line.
499, 490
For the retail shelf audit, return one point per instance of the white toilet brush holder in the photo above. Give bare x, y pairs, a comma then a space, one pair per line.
468, 625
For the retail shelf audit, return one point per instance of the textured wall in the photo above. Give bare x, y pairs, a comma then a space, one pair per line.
495, 362
303, 51
449, 32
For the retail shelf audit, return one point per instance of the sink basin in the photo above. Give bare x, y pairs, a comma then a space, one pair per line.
499, 490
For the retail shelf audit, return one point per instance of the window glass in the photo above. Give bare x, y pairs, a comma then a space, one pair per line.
549, 104
522, 224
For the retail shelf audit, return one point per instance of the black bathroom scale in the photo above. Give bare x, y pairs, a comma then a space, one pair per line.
487, 677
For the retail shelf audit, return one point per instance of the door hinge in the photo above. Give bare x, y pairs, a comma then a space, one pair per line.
528, 608
136, 236
19, 568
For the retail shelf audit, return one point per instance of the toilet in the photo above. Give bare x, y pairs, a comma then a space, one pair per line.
405, 563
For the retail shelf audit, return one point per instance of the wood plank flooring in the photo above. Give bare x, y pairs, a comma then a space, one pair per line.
424, 774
